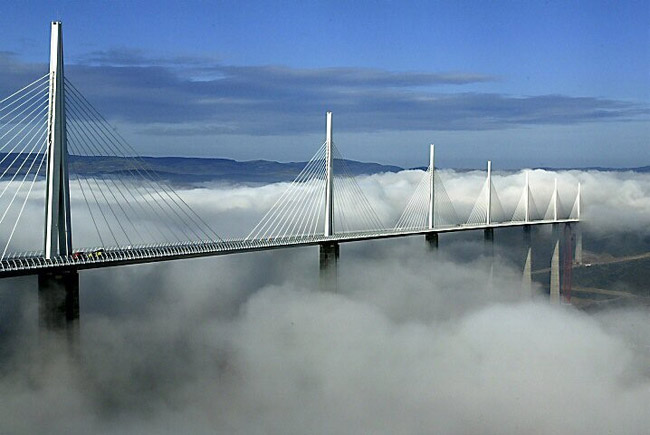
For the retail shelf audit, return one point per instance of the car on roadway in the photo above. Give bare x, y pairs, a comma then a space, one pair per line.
90, 255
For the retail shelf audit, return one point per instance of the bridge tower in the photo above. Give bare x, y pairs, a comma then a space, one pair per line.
527, 200
329, 178
554, 287
527, 278
556, 200
432, 238
329, 251
489, 232
58, 292
578, 251
58, 234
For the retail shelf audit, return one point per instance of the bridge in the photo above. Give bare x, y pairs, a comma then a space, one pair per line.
49, 130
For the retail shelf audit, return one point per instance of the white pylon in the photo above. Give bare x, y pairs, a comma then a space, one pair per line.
578, 250
432, 198
488, 198
555, 201
578, 200
58, 229
527, 200
329, 186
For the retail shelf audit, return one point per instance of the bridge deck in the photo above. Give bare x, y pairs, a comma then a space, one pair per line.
35, 264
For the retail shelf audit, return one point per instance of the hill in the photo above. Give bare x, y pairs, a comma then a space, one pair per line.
192, 170
184, 169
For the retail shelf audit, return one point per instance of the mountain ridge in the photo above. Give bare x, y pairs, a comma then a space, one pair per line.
207, 169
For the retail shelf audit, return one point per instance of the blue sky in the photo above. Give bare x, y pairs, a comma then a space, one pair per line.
558, 83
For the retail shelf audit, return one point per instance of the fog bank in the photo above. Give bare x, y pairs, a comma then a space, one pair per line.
414, 342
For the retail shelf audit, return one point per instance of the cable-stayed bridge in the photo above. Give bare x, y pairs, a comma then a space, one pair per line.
49, 132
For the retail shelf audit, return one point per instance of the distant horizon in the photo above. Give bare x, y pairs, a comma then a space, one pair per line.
369, 162
496, 169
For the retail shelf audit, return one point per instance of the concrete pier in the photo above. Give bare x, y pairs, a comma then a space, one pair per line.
328, 276
488, 251
555, 274
58, 301
488, 235
488, 243
578, 251
432, 241
527, 276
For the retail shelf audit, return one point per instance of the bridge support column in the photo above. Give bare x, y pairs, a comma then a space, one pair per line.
527, 278
566, 256
432, 241
488, 239
555, 268
58, 302
329, 255
488, 246
578, 251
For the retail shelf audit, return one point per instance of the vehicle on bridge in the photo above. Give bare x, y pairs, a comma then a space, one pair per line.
91, 255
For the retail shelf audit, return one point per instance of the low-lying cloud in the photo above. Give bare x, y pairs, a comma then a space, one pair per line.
612, 203
414, 341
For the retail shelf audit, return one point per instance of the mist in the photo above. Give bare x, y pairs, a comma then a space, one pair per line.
414, 341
